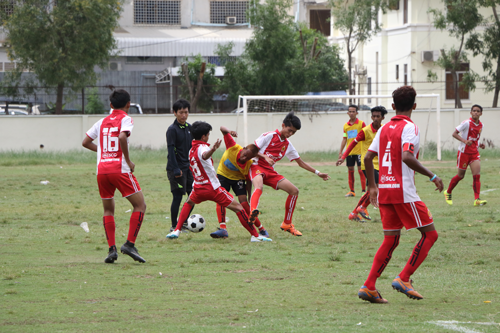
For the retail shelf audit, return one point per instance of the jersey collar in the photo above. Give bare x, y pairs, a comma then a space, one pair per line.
179, 124
373, 129
472, 120
354, 123
279, 136
400, 117
199, 142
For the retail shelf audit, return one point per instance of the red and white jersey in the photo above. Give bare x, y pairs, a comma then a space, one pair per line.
203, 170
396, 179
272, 145
109, 153
469, 130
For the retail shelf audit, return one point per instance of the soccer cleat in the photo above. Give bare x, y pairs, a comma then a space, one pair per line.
447, 197
355, 217
350, 194
363, 212
479, 202
221, 233
132, 252
260, 239
253, 216
372, 296
263, 232
405, 288
112, 255
174, 234
291, 229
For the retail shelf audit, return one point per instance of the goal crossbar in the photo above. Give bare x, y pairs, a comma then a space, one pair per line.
245, 99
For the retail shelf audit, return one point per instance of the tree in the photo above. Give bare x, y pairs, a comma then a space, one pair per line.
460, 18
200, 83
61, 42
277, 61
487, 45
358, 21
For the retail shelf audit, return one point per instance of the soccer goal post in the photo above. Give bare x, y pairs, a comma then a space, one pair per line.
326, 104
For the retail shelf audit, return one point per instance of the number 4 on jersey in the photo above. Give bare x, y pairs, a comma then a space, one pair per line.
386, 160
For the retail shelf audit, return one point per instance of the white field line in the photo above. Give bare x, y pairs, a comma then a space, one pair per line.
453, 325
490, 190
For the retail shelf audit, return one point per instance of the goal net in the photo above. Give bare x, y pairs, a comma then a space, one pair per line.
327, 113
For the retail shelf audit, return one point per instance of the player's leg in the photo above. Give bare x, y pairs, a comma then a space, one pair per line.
291, 202
107, 191
221, 211
243, 217
392, 230
185, 212
258, 184
350, 162
462, 162
475, 168
362, 177
415, 215
178, 189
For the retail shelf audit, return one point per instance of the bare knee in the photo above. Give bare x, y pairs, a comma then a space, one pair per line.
294, 191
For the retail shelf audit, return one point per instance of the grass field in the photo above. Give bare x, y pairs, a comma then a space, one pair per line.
53, 278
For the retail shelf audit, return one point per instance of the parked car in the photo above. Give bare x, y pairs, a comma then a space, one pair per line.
35, 109
13, 112
134, 109
365, 107
337, 106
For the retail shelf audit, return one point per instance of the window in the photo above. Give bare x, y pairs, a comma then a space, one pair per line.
319, 20
462, 91
7, 7
219, 10
397, 72
157, 12
405, 11
9, 66
394, 4
144, 60
406, 74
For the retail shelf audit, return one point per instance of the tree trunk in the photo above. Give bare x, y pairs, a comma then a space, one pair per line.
59, 100
497, 84
199, 85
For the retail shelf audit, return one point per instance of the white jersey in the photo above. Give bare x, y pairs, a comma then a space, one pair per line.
203, 170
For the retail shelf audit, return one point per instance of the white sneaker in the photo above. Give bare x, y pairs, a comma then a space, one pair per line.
260, 239
174, 234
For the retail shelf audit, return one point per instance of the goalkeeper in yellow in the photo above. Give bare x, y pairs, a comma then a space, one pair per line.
232, 173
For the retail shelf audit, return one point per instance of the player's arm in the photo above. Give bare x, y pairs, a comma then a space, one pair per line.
482, 145
457, 136
269, 160
226, 130
206, 155
370, 175
307, 167
342, 144
411, 161
122, 138
89, 144
359, 137
171, 139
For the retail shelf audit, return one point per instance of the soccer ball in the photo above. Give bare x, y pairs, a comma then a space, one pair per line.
196, 223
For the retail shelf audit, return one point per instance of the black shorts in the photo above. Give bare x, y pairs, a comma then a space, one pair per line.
376, 176
239, 186
184, 183
353, 159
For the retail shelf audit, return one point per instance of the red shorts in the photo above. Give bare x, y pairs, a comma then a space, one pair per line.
464, 160
409, 215
207, 193
124, 182
271, 177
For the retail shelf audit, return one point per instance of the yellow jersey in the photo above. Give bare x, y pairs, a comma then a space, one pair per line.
351, 131
368, 133
228, 165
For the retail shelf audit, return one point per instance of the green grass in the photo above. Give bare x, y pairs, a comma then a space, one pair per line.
52, 275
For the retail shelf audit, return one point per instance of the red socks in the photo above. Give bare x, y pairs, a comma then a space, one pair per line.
135, 225
351, 180
476, 185
291, 201
454, 181
186, 210
109, 229
221, 215
243, 217
381, 259
419, 254
363, 202
363, 179
254, 201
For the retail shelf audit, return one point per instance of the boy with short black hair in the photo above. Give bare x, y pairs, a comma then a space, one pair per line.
468, 133
115, 171
351, 130
274, 146
207, 186
178, 145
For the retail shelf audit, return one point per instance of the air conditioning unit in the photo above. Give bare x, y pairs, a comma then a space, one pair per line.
115, 66
230, 19
430, 55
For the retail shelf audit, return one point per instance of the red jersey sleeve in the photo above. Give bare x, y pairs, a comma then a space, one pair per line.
359, 137
228, 140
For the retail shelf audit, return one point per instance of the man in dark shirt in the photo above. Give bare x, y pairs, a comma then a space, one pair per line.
178, 144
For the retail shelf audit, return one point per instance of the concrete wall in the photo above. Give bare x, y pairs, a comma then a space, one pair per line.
320, 132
